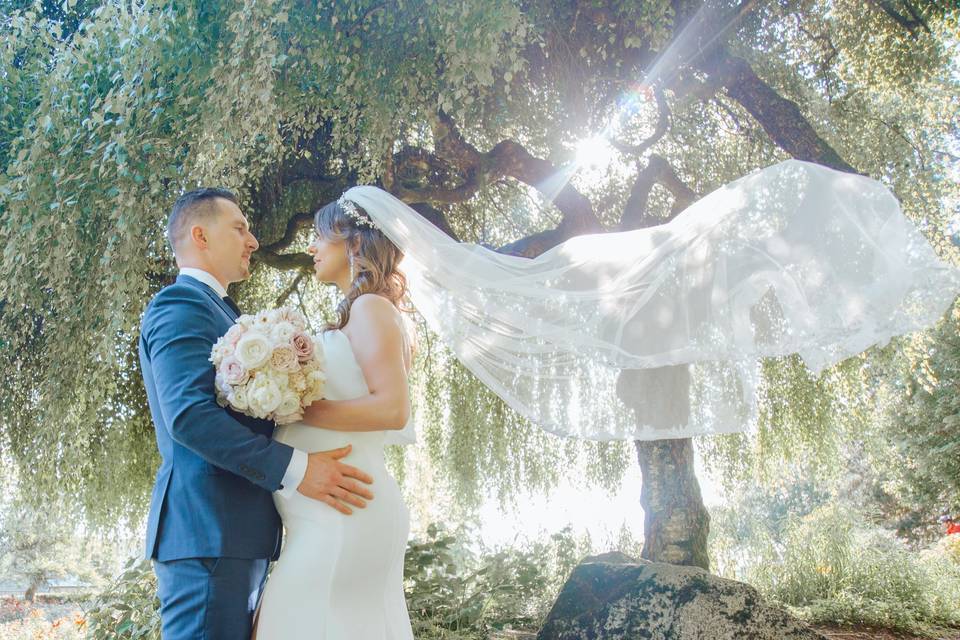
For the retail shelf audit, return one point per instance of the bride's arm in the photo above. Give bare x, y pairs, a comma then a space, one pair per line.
375, 327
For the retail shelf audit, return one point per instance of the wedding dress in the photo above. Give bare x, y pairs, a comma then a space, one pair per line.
340, 577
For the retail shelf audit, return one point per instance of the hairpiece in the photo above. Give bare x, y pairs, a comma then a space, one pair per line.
350, 208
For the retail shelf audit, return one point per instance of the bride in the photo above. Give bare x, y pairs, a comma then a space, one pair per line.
340, 574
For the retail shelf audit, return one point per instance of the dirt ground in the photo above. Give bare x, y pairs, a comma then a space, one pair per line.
866, 633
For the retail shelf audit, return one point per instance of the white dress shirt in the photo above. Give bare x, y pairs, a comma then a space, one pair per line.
297, 468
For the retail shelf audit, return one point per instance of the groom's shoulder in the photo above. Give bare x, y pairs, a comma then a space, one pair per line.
176, 295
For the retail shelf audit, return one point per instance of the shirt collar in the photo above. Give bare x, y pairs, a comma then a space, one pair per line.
205, 278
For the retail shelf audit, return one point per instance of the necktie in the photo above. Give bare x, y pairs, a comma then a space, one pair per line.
232, 305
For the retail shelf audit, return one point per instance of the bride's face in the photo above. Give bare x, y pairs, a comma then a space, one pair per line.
330, 262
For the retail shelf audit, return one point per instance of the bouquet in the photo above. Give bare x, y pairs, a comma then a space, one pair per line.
268, 366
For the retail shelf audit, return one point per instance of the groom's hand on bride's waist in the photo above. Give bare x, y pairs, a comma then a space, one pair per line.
333, 482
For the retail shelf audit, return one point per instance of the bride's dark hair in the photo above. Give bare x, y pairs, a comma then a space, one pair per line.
375, 261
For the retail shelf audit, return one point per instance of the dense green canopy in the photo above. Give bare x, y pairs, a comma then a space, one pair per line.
109, 110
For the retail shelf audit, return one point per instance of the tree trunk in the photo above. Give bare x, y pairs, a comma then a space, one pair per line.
31, 591
675, 520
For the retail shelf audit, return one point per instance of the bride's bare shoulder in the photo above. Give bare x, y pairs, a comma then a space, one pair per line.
373, 303
370, 311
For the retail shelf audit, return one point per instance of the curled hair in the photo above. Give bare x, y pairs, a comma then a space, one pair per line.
375, 261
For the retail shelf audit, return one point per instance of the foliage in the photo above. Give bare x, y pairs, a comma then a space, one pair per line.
34, 626
39, 547
452, 592
924, 431
128, 609
833, 565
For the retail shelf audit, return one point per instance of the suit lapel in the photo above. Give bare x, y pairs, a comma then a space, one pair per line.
184, 279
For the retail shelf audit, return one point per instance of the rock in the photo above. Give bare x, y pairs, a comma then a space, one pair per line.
614, 597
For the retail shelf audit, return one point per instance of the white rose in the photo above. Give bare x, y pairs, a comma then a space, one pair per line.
290, 404
280, 378
246, 321
288, 314
316, 378
220, 383
282, 332
221, 349
316, 382
238, 399
263, 396
253, 350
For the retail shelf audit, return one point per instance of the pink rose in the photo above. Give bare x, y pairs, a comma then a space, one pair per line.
284, 358
234, 334
303, 346
233, 372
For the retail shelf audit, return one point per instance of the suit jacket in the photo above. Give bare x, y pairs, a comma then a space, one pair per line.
212, 496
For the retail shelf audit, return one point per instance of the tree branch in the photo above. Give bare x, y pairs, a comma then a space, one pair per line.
477, 169
282, 298
779, 117
657, 171
910, 24
282, 261
663, 124
294, 224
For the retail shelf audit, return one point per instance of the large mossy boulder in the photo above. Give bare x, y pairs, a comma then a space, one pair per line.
614, 597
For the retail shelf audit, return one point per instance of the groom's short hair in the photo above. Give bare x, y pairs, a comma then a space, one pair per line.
193, 207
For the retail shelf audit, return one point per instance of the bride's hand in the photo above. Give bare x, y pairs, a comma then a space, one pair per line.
333, 482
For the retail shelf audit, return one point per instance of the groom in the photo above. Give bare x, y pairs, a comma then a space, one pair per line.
213, 528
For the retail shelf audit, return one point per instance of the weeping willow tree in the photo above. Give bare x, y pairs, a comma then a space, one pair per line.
473, 112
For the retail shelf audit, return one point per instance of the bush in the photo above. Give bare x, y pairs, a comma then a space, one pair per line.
128, 609
832, 566
452, 592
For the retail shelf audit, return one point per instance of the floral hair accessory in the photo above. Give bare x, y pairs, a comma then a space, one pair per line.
350, 208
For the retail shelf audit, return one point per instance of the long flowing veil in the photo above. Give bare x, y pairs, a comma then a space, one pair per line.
657, 333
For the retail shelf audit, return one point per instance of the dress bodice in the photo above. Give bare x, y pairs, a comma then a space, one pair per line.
345, 381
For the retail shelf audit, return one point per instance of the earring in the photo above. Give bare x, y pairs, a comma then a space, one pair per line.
351, 267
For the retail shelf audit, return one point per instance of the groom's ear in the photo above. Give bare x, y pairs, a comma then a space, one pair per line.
199, 236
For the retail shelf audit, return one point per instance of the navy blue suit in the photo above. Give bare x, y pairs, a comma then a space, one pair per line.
212, 520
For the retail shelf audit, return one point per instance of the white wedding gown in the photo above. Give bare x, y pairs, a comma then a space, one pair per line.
339, 577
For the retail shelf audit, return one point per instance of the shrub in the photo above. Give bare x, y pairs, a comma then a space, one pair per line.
128, 609
833, 566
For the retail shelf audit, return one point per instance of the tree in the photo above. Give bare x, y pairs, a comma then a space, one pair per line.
476, 123
37, 547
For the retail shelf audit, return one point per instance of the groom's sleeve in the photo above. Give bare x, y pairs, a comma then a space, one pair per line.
178, 337
294, 475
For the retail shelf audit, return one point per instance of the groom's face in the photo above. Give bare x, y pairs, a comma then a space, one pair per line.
231, 243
